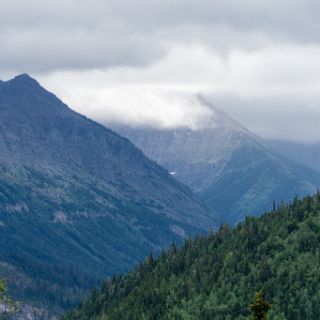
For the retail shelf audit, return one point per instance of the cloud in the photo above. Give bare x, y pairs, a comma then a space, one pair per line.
42, 36
115, 97
143, 61
80, 49
163, 94
273, 91
156, 107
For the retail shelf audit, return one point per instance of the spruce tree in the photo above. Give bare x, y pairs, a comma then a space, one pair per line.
260, 308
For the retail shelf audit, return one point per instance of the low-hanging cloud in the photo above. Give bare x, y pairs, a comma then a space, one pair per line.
273, 91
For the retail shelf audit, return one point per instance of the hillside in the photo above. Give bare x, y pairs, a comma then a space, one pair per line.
216, 276
307, 154
77, 201
233, 171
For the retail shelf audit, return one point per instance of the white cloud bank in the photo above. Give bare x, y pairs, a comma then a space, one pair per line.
274, 92
143, 61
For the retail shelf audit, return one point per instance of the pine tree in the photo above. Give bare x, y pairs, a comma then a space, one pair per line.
260, 308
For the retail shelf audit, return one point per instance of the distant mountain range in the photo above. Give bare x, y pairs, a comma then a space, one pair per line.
307, 154
77, 201
232, 170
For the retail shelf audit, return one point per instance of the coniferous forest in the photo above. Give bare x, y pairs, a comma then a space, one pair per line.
217, 276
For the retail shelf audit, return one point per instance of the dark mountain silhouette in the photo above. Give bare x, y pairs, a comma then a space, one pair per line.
77, 201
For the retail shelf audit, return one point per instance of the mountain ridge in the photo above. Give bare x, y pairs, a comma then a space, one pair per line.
225, 159
77, 197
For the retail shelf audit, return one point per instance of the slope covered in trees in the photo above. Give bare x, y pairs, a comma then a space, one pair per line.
217, 276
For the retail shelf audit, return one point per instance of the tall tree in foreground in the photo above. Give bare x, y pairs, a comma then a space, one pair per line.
260, 308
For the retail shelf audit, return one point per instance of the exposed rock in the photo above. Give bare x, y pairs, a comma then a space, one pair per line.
60, 217
179, 231
28, 312
15, 208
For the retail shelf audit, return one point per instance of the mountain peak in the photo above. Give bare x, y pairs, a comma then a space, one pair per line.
24, 79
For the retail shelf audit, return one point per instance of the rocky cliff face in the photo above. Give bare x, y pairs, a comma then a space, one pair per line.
29, 312
77, 201
232, 170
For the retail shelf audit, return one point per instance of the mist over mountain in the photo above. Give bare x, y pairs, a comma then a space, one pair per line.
77, 201
232, 170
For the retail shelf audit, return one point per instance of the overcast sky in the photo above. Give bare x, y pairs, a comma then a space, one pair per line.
144, 61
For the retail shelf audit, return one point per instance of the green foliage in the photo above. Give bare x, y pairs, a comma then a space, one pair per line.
260, 308
215, 277
9, 306
59, 263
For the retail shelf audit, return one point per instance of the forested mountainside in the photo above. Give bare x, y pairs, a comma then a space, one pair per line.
307, 154
216, 276
77, 201
234, 172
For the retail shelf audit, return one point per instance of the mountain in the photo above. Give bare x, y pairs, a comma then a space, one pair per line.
233, 171
216, 276
307, 154
77, 201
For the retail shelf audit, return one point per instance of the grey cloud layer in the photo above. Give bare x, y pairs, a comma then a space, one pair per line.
47, 36
116, 59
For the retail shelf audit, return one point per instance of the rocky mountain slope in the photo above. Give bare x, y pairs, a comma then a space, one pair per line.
77, 201
233, 171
